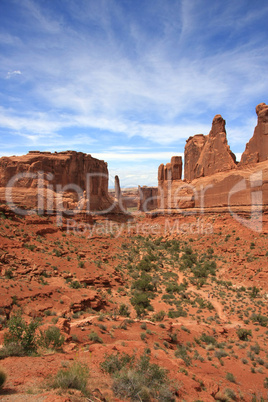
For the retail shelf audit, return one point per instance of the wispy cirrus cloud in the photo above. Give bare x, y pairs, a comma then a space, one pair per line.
12, 73
113, 73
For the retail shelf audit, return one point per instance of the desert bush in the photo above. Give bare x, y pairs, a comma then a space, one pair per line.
261, 319
140, 380
73, 377
141, 302
159, 316
3, 377
177, 313
207, 339
220, 353
255, 348
143, 283
94, 337
230, 377
114, 363
181, 353
21, 333
243, 334
51, 338
124, 310
230, 394
75, 285
12, 349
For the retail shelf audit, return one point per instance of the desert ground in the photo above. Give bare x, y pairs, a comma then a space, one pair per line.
147, 307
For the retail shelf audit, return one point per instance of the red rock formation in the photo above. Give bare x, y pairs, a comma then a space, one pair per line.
170, 171
215, 179
55, 178
257, 147
216, 155
147, 198
169, 176
192, 151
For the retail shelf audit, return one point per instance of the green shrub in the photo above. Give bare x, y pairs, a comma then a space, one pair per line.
230, 377
207, 339
73, 377
143, 283
75, 285
21, 333
243, 334
177, 313
140, 380
12, 349
94, 337
159, 316
124, 310
220, 353
3, 377
261, 319
143, 336
141, 302
181, 353
114, 363
51, 338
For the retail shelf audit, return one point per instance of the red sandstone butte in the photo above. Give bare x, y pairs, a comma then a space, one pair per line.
193, 149
55, 171
216, 155
216, 181
257, 147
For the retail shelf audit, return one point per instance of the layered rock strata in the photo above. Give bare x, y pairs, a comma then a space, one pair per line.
50, 181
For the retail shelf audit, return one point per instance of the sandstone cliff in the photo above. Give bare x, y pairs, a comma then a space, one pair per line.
214, 153
147, 198
67, 177
213, 179
257, 147
192, 152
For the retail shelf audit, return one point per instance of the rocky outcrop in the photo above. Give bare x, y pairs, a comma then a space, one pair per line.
169, 181
55, 180
212, 177
215, 155
192, 152
147, 198
170, 171
257, 147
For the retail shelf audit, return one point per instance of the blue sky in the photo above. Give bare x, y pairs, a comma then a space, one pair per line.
128, 81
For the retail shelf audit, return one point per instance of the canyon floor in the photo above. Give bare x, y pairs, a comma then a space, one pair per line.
178, 300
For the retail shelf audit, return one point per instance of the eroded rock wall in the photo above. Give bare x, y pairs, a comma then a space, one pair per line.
257, 147
147, 198
69, 176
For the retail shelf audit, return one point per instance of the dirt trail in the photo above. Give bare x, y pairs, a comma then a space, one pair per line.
217, 305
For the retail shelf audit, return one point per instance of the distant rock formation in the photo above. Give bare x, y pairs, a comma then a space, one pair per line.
170, 183
257, 147
171, 171
205, 156
117, 189
192, 152
147, 198
212, 178
69, 178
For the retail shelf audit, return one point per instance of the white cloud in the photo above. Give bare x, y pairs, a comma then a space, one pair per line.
11, 73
